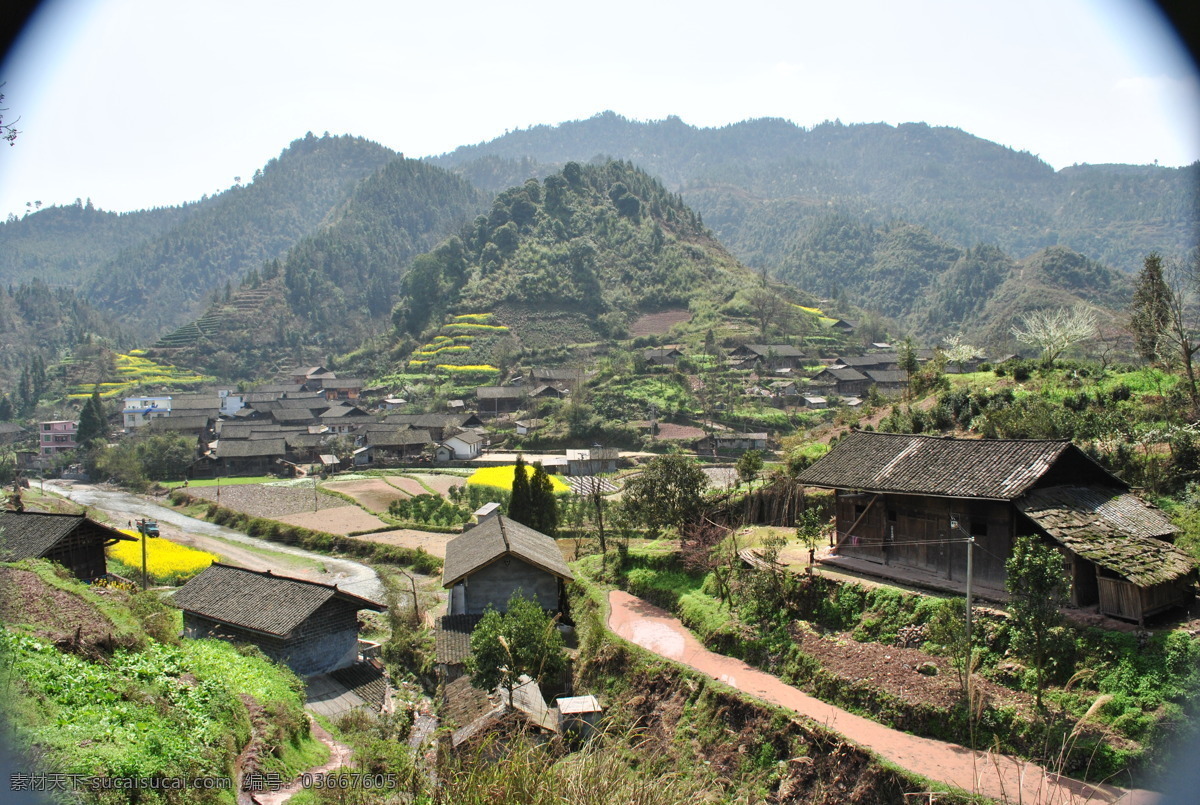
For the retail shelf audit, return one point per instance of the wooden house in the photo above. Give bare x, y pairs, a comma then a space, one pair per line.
309, 626
594, 460
729, 442
487, 564
500, 399
249, 456
843, 380
773, 357
74, 541
906, 502
662, 356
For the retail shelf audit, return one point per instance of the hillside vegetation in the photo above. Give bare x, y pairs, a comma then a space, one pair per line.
98, 684
758, 183
333, 289
158, 268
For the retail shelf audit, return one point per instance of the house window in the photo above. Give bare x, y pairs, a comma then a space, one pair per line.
891, 515
979, 528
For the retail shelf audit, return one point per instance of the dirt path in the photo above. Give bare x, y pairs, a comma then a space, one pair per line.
339, 755
997, 776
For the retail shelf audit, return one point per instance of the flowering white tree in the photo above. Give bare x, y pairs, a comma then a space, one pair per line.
1056, 331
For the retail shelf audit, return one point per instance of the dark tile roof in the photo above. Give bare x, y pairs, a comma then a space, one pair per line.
261, 602
251, 448
367, 679
875, 360
30, 535
779, 350
841, 375
398, 437
1116, 530
500, 392
344, 411
887, 375
181, 422
494, 538
453, 645
195, 402
244, 430
996, 469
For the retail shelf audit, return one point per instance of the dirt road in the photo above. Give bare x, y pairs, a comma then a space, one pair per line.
1000, 777
232, 546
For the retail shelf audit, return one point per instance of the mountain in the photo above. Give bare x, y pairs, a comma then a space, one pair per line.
333, 289
42, 325
933, 288
159, 268
574, 258
760, 183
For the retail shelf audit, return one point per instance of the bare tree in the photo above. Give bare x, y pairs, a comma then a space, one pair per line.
769, 306
1180, 341
1056, 331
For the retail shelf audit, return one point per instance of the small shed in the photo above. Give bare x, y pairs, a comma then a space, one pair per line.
487, 564
74, 541
578, 714
309, 626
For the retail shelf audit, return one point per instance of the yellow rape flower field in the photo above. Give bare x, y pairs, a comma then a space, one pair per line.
164, 559
502, 478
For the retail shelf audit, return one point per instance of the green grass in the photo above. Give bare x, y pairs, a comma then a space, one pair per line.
236, 481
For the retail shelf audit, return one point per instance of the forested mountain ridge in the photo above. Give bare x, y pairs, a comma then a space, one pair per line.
63, 245
602, 243
162, 266
760, 183
336, 287
934, 288
40, 325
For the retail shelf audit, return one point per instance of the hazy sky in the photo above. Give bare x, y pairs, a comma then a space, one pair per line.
141, 103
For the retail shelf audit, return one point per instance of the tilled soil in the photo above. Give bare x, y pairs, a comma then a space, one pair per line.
342, 520
433, 543
53, 613
272, 502
373, 494
894, 670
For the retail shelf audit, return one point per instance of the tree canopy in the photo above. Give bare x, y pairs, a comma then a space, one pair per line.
522, 640
667, 494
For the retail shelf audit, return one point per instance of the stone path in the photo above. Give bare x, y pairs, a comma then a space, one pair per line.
1000, 777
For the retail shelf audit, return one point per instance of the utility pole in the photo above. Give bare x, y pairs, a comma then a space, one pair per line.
970, 540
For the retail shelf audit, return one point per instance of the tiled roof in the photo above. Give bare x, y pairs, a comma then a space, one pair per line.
262, 602
1115, 530
996, 469
453, 645
500, 392
494, 538
181, 422
887, 375
398, 437
29, 535
779, 350
878, 359
194, 402
842, 375
466, 437
251, 448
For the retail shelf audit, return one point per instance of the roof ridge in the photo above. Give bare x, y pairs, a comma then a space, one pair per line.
503, 533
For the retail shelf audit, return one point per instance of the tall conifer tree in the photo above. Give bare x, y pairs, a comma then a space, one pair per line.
520, 506
543, 506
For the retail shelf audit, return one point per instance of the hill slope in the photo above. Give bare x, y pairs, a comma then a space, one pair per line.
757, 183
334, 288
159, 268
